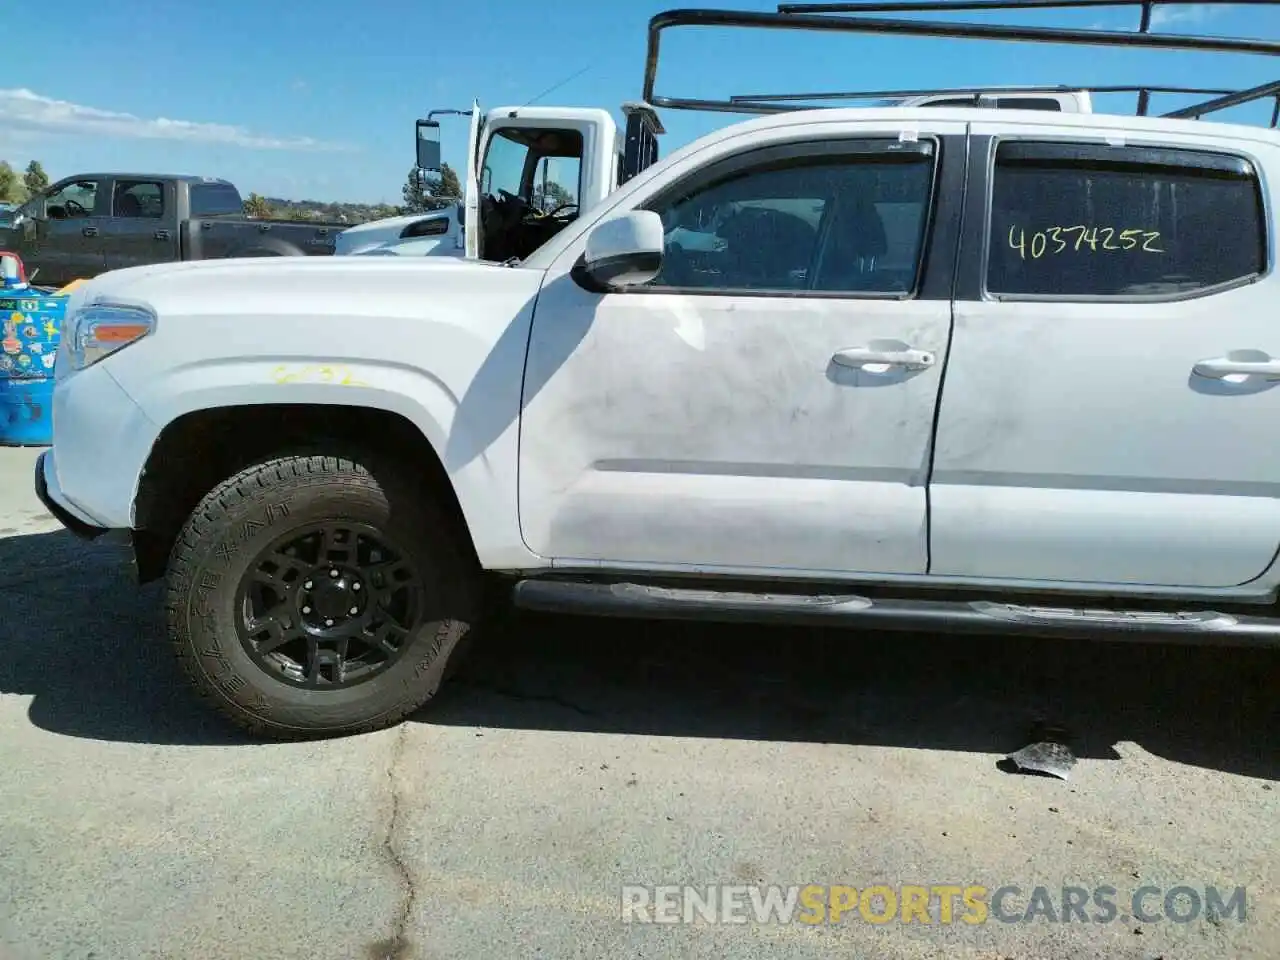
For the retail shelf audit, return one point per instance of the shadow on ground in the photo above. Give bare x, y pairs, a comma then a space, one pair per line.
81, 639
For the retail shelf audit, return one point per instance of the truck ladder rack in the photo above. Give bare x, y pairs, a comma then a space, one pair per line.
852, 18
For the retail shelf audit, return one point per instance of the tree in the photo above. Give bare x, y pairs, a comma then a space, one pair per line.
424, 192
415, 193
449, 185
552, 196
35, 179
256, 206
10, 186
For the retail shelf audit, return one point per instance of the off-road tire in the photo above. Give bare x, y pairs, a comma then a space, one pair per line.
220, 544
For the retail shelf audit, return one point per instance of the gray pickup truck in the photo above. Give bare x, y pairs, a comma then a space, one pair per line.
90, 223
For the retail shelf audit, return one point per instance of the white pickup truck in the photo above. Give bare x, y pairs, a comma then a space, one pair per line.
926, 367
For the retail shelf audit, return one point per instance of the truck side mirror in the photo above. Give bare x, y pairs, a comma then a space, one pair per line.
625, 251
429, 146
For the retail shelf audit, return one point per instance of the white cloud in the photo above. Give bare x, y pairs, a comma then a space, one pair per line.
24, 110
1190, 13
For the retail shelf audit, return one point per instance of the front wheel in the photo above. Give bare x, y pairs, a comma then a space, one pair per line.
318, 595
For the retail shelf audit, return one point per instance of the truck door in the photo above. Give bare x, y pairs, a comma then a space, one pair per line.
537, 169
140, 227
766, 403
67, 243
1115, 367
471, 190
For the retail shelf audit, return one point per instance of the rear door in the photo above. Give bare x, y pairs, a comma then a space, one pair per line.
140, 228
766, 404
1114, 377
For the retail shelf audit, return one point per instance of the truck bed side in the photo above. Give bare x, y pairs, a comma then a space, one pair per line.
216, 237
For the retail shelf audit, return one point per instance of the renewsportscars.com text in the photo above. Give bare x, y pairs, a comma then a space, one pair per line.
969, 904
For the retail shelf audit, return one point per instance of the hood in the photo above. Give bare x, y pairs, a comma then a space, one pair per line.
203, 286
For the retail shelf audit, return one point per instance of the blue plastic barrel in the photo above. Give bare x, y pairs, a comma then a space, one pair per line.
31, 321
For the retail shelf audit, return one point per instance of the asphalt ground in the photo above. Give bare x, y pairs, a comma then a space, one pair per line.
574, 760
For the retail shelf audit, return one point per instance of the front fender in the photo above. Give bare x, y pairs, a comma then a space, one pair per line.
439, 342
420, 398
482, 471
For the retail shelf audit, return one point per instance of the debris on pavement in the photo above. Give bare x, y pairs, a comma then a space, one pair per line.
1047, 753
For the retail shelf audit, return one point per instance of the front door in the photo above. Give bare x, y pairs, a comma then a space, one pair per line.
1111, 390
767, 402
68, 237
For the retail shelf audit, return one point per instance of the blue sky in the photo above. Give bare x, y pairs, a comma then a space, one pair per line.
315, 99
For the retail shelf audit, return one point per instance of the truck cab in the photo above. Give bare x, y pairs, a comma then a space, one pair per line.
531, 171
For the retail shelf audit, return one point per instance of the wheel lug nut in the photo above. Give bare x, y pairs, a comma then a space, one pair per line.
308, 585
328, 623
306, 609
356, 585
354, 611
333, 574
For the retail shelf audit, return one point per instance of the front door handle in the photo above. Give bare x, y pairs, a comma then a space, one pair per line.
1239, 363
884, 353
89, 231
161, 235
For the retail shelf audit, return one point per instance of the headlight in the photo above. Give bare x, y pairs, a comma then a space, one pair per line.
99, 330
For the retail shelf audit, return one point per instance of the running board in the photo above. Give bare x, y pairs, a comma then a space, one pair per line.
943, 616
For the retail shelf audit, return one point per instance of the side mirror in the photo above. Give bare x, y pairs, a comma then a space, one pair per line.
625, 251
429, 146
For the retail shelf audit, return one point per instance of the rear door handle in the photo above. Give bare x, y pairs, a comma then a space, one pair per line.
1220, 367
89, 231
884, 353
161, 235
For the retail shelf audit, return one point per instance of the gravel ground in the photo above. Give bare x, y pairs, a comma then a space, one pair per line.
572, 758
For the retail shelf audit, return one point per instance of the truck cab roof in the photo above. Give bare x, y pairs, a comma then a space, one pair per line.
175, 177
1122, 124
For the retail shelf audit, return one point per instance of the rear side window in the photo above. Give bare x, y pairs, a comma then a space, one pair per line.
1028, 103
1001, 103
215, 200
1082, 220
138, 199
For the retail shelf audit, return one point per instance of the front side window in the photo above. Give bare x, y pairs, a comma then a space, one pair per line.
1078, 220
504, 164
72, 200
138, 198
823, 224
